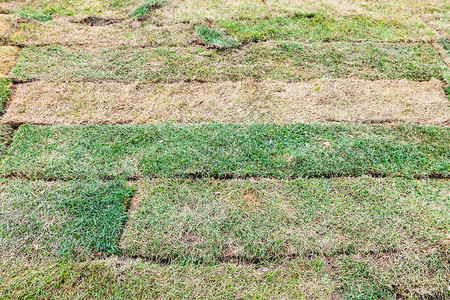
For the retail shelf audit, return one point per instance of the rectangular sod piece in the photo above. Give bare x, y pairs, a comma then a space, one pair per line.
41, 220
210, 221
323, 27
353, 100
67, 31
407, 275
290, 61
228, 150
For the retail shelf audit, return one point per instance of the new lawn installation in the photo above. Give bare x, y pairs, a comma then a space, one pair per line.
289, 61
353, 100
208, 220
228, 150
75, 219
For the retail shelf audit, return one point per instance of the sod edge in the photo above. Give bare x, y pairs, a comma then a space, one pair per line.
289, 61
227, 151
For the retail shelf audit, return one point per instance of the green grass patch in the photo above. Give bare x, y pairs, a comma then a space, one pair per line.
129, 279
145, 8
412, 276
282, 60
214, 38
38, 15
5, 91
50, 219
323, 27
228, 150
209, 221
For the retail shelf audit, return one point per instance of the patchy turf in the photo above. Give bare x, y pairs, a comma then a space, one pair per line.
73, 31
417, 275
70, 31
129, 279
56, 219
228, 150
45, 10
207, 221
8, 56
282, 60
246, 101
400, 10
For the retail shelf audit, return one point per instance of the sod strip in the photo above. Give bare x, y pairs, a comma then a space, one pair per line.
228, 150
230, 102
67, 31
8, 56
208, 221
274, 60
55, 219
104, 32
403, 275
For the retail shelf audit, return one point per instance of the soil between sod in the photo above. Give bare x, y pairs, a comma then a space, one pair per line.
228, 150
289, 61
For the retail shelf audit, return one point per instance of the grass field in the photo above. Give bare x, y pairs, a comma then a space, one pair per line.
244, 149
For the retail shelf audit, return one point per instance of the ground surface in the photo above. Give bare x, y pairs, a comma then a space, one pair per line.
244, 149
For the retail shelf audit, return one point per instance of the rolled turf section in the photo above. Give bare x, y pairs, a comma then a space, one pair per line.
352, 100
300, 27
413, 275
209, 221
44, 220
228, 150
291, 61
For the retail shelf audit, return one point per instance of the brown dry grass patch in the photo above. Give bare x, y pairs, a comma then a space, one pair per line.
96, 31
4, 26
245, 101
8, 56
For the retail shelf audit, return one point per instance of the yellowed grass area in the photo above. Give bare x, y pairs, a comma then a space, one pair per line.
351, 100
71, 31
398, 9
8, 56
4, 26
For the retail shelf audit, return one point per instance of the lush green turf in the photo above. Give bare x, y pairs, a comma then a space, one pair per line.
72, 219
323, 27
228, 150
282, 60
261, 220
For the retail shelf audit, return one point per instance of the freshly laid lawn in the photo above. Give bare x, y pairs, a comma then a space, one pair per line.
61, 219
274, 60
301, 28
228, 150
386, 276
353, 100
207, 220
